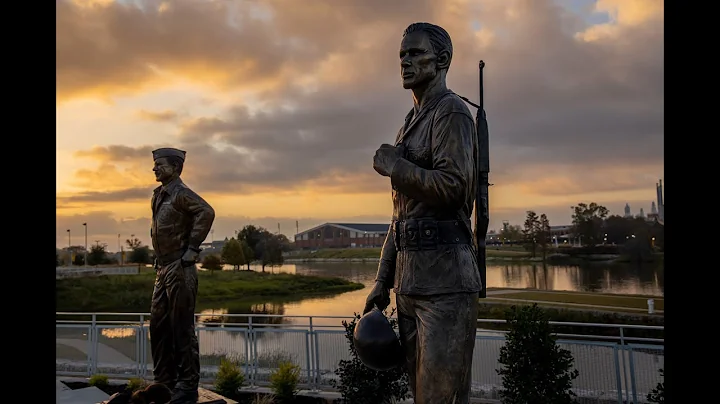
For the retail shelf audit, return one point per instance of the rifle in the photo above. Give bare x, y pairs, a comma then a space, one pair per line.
482, 169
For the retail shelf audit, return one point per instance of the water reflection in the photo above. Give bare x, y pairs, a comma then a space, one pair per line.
600, 277
227, 315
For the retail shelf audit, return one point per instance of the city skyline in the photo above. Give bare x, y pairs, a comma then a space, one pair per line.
281, 108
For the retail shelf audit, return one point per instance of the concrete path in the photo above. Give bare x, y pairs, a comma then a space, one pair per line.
105, 353
88, 395
568, 292
581, 305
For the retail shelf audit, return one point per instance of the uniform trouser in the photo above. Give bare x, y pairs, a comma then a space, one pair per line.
173, 342
438, 337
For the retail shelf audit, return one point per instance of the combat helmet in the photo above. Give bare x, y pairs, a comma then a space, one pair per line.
376, 343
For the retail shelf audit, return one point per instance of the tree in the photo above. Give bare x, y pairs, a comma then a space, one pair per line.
588, 222
544, 234
359, 384
531, 229
140, 255
252, 236
79, 259
133, 242
535, 369
57, 259
270, 248
98, 255
233, 254
617, 229
510, 234
248, 253
212, 262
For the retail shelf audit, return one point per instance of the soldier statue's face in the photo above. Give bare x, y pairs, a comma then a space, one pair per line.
163, 170
417, 60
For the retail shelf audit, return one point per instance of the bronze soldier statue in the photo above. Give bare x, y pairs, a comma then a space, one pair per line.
181, 221
428, 256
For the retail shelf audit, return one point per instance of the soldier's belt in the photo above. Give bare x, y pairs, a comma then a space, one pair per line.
169, 258
428, 234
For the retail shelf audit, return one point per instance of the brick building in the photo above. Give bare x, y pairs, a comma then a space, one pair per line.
342, 235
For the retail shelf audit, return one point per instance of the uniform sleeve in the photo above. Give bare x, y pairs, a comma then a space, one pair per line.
388, 254
446, 184
203, 216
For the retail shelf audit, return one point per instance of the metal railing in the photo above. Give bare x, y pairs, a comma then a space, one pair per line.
614, 364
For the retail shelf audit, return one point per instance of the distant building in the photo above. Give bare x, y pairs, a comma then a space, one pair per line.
660, 201
215, 245
342, 235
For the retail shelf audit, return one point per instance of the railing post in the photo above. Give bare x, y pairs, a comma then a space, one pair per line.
253, 353
617, 376
94, 339
143, 348
625, 378
316, 357
313, 370
632, 375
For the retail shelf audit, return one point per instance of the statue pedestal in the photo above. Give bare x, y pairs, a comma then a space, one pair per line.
206, 396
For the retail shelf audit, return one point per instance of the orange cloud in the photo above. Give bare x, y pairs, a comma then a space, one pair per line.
157, 116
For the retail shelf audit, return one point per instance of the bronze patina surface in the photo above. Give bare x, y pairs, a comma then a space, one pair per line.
181, 220
428, 256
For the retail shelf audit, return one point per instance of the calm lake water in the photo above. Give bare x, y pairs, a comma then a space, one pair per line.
592, 277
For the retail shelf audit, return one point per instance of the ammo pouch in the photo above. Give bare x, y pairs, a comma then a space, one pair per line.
428, 234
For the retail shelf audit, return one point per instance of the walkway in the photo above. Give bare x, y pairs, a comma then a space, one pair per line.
579, 305
520, 292
105, 352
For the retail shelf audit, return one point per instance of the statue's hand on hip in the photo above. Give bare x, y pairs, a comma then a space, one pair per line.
379, 296
189, 258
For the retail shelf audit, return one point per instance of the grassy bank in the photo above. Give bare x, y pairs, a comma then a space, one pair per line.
132, 293
369, 253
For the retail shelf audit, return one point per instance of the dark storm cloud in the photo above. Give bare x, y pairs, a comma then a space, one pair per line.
552, 99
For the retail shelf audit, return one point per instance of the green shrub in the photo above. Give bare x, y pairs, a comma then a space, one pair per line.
212, 262
264, 399
136, 384
99, 381
657, 395
284, 381
359, 384
534, 368
229, 378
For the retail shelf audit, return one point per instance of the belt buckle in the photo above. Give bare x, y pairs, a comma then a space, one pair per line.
428, 234
411, 232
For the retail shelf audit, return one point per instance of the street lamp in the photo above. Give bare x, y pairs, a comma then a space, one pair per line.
85, 259
69, 251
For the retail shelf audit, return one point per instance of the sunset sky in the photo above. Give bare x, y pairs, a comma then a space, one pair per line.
281, 104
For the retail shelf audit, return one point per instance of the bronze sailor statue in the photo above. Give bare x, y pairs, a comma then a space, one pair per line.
181, 221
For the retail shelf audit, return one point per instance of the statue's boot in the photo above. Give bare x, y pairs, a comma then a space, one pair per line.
184, 397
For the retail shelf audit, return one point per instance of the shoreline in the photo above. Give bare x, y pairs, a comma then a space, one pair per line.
375, 260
